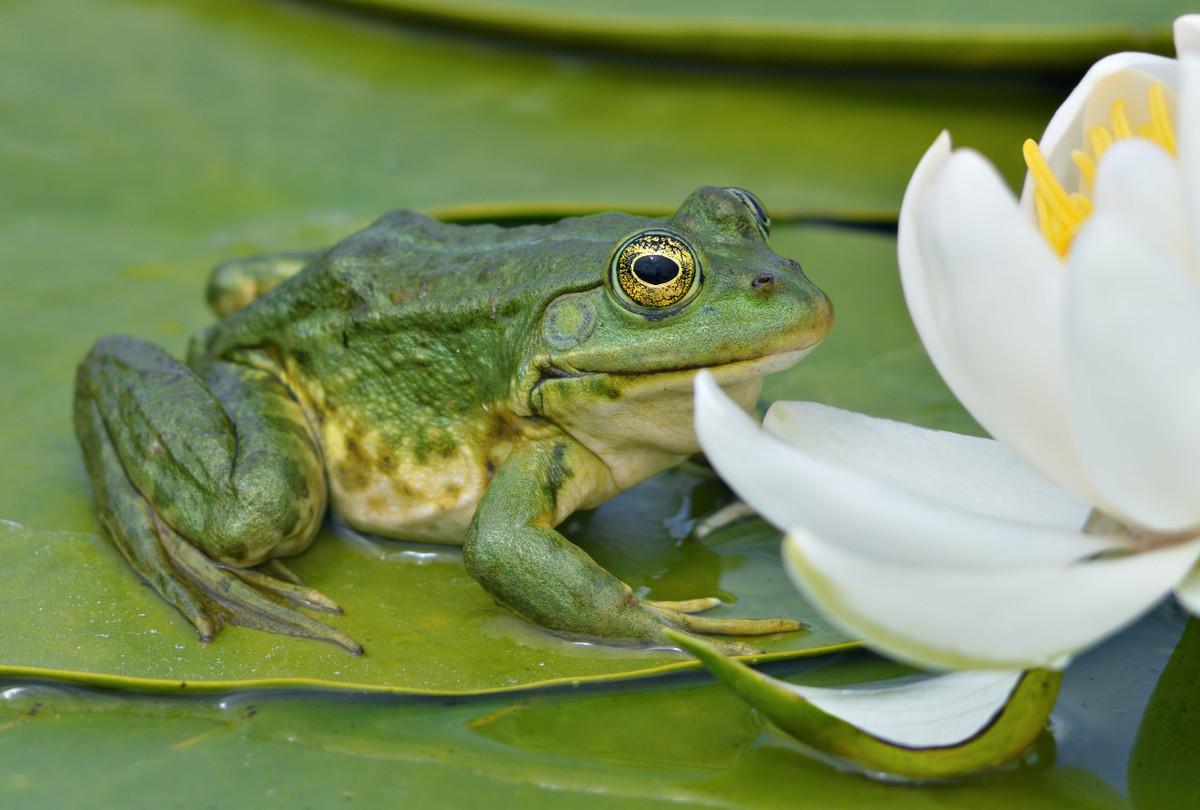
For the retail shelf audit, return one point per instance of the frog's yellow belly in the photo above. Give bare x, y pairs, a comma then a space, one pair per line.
377, 485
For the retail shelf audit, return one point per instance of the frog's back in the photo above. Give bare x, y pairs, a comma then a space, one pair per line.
403, 342
425, 264
406, 265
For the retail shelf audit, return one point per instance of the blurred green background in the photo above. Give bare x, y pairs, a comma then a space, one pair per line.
141, 142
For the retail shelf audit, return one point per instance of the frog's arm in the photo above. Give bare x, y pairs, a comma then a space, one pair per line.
203, 475
514, 551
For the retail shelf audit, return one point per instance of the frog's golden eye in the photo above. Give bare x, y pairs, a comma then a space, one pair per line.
655, 269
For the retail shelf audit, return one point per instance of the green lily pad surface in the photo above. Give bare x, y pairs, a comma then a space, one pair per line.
75, 611
962, 33
667, 744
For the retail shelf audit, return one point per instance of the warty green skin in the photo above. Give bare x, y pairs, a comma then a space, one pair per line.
460, 384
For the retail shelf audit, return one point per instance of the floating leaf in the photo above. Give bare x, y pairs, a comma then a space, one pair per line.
956, 34
1162, 767
74, 611
664, 744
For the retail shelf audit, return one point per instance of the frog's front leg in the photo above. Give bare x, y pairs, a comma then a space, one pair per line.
203, 476
514, 551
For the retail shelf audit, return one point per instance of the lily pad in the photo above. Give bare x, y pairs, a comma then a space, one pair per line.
73, 610
125, 183
1162, 765
949, 33
665, 744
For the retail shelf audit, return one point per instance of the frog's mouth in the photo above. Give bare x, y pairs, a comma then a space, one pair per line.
733, 371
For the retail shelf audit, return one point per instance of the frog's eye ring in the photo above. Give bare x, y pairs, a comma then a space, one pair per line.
655, 269
761, 217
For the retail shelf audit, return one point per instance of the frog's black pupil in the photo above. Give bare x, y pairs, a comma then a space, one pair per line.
655, 269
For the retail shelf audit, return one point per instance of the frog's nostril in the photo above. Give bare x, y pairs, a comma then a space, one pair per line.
763, 282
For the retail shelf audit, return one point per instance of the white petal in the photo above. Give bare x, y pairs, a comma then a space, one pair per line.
1119, 75
968, 618
1187, 35
985, 290
791, 488
960, 472
1141, 184
933, 712
1188, 591
1132, 337
1187, 130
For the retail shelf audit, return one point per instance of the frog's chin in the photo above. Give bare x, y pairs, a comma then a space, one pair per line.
758, 366
742, 380
641, 423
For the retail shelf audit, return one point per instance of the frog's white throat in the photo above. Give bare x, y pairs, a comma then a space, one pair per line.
647, 426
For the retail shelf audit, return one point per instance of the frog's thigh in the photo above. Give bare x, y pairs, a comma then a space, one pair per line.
222, 453
195, 466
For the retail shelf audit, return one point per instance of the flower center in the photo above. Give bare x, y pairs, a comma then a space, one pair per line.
1060, 214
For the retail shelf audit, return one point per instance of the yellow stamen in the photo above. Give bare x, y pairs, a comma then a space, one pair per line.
1120, 121
1101, 139
1062, 210
1061, 214
1043, 213
1087, 166
1082, 203
1160, 118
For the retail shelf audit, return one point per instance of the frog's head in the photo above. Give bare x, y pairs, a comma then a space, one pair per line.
614, 364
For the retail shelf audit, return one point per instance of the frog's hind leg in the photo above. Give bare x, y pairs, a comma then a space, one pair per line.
202, 477
235, 283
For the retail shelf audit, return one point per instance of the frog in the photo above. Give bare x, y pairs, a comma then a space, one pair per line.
454, 383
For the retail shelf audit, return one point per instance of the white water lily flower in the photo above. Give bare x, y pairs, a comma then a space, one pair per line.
1068, 324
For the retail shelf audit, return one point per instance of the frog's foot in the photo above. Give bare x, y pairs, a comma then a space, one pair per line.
725, 516
687, 605
285, 586
679, 616
650, 619
249, 597
730, 627
680, 613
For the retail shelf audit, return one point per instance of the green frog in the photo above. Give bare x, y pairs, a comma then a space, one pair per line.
464, 384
